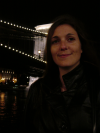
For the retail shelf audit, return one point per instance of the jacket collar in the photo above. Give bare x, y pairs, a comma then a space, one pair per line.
71, 80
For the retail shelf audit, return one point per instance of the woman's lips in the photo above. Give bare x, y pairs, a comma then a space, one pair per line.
64, 55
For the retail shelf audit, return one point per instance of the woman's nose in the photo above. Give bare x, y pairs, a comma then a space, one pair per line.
63, 45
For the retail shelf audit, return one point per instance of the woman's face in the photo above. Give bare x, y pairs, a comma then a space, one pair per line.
65, 46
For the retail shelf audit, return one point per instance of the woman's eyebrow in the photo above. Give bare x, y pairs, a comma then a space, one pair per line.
70, 34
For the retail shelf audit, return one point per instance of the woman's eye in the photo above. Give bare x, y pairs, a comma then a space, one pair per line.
71, 39
55, 41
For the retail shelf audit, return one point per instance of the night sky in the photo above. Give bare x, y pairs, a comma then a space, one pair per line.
32, 13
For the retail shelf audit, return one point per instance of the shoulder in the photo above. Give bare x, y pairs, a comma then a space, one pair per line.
36, 84
91, 69
35, 88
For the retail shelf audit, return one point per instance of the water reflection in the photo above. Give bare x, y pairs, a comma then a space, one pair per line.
11, 109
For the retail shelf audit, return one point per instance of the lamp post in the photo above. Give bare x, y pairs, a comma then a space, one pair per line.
39, 51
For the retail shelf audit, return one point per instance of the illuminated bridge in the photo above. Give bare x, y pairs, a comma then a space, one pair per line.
21, 51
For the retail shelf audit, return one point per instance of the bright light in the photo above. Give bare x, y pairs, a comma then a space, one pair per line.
29, 29
13, 49
5, 46
44, 26
27, 77
22, 52
8, 23
1, 44
1, 21
17, 25
9, 47
39, 51
19, 51
25, 54
14, 25
11, 24
33, 56
16, 50
22, 27
5, 22
28, 55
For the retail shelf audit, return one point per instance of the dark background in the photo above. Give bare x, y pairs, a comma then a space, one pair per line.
31, 13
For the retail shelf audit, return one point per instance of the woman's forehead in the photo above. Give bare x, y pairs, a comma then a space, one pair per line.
63, 30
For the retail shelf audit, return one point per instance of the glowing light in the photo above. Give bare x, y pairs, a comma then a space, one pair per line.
25, 54
9, 47
31, 29
16, 50
39, 51
22, 27
13, 49
19, 51
17, 25
14, 25
5, 46
5, 22
44, 26
13, 72
27, 28
1, 21
2, 71
33, 56
11, 24
28, 55
8, 23
7, 71
1, 44
22, 52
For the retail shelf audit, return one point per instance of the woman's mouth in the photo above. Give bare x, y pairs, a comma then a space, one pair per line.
64, 55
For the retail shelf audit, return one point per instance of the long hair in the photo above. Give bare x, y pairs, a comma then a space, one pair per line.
88, 54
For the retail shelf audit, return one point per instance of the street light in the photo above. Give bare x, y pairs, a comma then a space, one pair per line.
39, 51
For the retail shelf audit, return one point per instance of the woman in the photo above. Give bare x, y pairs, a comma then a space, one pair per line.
66, 99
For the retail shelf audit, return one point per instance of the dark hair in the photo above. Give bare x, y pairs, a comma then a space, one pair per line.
88, 54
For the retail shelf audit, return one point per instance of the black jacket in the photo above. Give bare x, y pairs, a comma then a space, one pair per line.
48, 110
